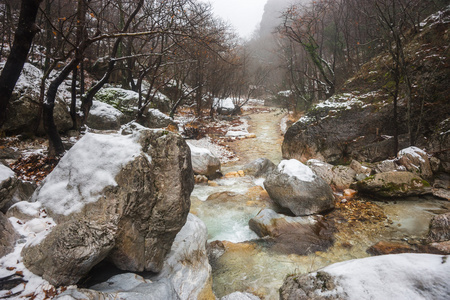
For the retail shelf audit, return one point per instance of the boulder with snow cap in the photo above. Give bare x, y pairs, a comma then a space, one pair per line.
8, 182
420, 276
338, 176
296, 187
118, 197
104, 116
416, 161
204, 162
153, 118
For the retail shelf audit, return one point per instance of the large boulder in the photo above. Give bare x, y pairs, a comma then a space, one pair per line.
338, 176
103, 116
118, 197
393, 184
420, 276
345, 127
8, 236
259, 168
416, 161
296, 187
125, 101
24, 109
204, 162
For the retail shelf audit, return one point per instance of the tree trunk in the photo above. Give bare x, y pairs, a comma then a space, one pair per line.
26, 30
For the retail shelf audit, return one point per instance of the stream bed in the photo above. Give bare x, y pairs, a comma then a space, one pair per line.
244, 262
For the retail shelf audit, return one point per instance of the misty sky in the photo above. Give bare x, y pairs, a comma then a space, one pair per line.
243, 15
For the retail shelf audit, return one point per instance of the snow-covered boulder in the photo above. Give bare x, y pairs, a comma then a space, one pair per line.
292, 235
24, 108
393, 184
8, 182
338, 176
204, 162
296, 187
153, 118
415, 160
118, 197
124, 100
224, 106
187, 265
104, 116
399, 276
8, 236
259, 168
126, 287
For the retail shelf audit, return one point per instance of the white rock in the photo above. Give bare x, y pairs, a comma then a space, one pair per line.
203, 161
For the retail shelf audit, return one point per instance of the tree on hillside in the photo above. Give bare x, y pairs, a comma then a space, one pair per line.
25, 32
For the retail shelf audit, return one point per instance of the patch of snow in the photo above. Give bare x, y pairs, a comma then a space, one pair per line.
90, 166
399, 276
5, 173
413, 151
224, 103
259, 182
295, 168
159, 114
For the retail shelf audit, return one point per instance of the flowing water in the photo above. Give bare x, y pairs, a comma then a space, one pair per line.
248, 264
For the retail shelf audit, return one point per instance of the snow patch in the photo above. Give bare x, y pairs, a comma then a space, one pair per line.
294, 168
413, 151
5, 173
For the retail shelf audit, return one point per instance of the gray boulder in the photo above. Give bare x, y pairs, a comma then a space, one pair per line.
126, 287
24, 109
388, 165
338, 176
393, 184
204, 162
259, 168
416, 161
104, 116
8, 236
296, 187
439, 228
125, 101
118, 197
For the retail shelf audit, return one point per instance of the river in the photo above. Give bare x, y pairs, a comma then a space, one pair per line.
243, 262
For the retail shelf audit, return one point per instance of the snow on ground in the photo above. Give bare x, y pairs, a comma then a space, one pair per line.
399, 276
93, 163
238, 130
32, 232
296, 169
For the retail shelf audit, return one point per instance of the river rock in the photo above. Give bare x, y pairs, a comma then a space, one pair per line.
8, 235
386, 247
103, 116
292, 235
8, 183
296, 187
388, 165
187, 265
259, 168
118, 197
338, 176
439, 228
124, 286
421, 276
415, 160
24, 108
362, 172
393, 184
204, 162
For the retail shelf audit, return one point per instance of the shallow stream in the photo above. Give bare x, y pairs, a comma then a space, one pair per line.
249, 264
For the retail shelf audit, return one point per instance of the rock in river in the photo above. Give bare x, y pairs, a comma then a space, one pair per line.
124, 198
296, 187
